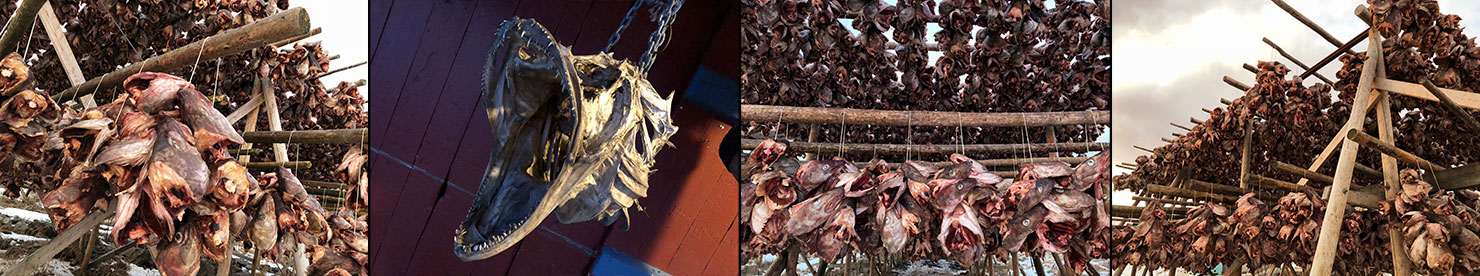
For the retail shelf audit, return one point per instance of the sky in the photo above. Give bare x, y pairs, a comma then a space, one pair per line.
1172, 55
346, 33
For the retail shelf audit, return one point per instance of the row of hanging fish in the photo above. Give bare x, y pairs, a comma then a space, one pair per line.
157, 157
923, 210
1437, 230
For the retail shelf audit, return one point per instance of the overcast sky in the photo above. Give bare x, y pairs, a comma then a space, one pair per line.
346, 33
1171, 56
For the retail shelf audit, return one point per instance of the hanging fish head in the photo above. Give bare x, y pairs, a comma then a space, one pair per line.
574, 136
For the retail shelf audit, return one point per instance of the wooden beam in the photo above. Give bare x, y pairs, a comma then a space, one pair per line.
1244, 146
1225, 101
1302, 172
933, 148
1271, 183
48, 251
1178, 192
324, 184
330, 136
290, 40
60, 42
1460, 98
1235, 83
20, 24
251, 124
1325, 252
1005, 162
273, 28
1167, 201
275, 165
1308, 23
1196, 121
1332, 56
1251, 68
1357, 136
274, 118
1297, 62
340, 69
821, 115
1144, 149
1401, 264
246, 109
1453, 109
1463, 177
1135, 211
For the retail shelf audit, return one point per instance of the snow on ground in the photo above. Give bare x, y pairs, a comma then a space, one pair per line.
21, 237
25, 214
136, 270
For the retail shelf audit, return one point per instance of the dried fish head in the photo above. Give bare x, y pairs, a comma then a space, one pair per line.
575, 136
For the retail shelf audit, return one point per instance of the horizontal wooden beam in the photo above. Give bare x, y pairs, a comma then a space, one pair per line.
1173, 191
1463, 177
275, 165
1454, 109
1235, 83
324, 184
1135, 211
1262, 181
1461, 98
331, 136
810, 147
277, 27
1391, 150
823, 115
1167, 200
1008, 162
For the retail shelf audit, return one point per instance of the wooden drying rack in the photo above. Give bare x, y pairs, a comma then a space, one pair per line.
279, 29
1349, 139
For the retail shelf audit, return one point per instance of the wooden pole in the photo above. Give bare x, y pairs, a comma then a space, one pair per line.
274, 165
1460, 98
290, 40
1247, 143
61, 44
1144, 149
1302, 172
273, 28
1401, 265
913, 149
1297, 62
1449, 104
1171, 191
1181, 127
1325, 252
331, 136
1006, 162
1388, 149
1308, 23
1235, 83
340, 69
274, 119
251, 124
20, 24
1332, 56
29, 265
1251, 68
246, 109
821, 115
1336, 141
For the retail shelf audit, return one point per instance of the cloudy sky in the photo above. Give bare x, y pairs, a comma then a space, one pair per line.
1171, 56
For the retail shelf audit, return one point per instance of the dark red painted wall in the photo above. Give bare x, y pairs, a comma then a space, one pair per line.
429, 139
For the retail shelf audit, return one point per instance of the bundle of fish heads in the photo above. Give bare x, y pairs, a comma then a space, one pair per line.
158, 157
923, 210
1253, 232
347, 252
1438, 227
28, 116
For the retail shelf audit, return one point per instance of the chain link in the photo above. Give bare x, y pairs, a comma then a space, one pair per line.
659, 38
617, 35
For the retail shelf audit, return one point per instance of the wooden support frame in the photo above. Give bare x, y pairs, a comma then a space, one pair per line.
811, 147
1325, 251
822, 115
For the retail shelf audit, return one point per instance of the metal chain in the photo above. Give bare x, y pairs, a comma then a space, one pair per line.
659, 38
617, 35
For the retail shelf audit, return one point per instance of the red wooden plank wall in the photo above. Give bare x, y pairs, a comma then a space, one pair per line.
429, 133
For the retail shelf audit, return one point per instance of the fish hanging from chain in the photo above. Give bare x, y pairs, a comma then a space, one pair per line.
573, 135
